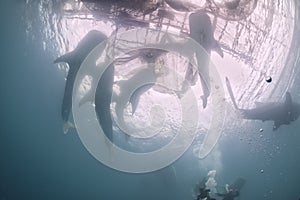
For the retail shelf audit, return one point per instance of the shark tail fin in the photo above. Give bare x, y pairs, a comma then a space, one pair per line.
64, 58
228, 85
67, 126
204, 101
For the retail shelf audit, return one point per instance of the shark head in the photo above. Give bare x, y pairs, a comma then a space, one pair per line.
83, 48
89, 42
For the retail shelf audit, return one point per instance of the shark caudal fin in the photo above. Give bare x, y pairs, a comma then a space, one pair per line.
228, 85
67, 126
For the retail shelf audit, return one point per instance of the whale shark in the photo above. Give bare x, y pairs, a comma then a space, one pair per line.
74, 59
103, 97
281, 113
201, 31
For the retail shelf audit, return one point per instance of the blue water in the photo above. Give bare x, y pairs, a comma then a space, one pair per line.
37, 161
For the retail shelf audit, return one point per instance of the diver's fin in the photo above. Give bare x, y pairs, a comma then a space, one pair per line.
237, 184
67, 58
67, 126
231, 93
217, 48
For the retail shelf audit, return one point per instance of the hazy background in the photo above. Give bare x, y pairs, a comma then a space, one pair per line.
37, 161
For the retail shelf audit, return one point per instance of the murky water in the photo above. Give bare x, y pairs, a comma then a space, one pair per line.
40, 162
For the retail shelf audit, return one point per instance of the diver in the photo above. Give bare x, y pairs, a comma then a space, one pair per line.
204, 194
230, 195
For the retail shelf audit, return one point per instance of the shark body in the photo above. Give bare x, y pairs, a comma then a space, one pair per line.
103, 99
281, 113
104, 86
201, 31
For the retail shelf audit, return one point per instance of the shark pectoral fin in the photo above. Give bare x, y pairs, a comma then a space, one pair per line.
133, 108
68, 57
67, 126
217, 48
204, 101
134, 100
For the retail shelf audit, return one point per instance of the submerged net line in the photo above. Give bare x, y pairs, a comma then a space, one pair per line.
240, 31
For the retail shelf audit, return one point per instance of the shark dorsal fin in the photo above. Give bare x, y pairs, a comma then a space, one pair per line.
288, 100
